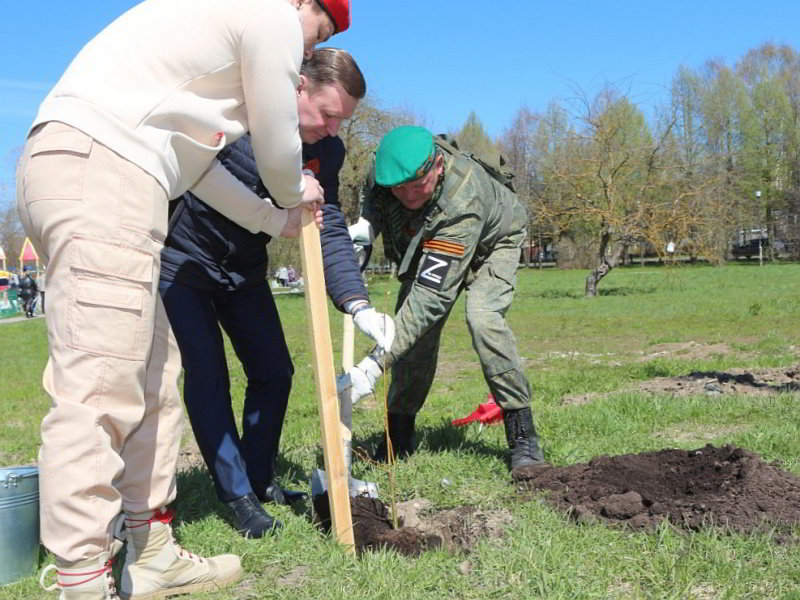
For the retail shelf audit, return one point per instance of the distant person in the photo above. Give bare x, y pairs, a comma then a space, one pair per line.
41, 283
138, 118
283, 276
213, 272
27, 293
451, 226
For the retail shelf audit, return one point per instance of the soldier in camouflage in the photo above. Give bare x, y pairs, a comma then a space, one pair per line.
451, 226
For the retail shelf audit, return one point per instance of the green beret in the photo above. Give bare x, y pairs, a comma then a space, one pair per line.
404, 154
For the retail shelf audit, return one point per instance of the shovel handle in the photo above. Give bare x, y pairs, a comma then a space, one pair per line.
348, 341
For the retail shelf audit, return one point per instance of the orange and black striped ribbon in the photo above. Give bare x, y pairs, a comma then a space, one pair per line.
445, 247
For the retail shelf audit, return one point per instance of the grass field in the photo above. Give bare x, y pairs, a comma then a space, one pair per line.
637, 329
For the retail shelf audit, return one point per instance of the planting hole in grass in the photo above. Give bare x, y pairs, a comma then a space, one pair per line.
422, 528
723, 486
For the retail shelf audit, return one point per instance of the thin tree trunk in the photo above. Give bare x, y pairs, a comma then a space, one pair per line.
605, 265
539, 253
528, 253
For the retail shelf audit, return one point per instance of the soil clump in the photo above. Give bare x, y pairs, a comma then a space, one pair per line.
726, 486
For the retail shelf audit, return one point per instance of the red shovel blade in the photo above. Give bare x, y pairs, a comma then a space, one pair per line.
488, 413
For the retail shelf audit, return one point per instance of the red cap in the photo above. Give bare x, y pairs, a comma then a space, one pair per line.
338, 11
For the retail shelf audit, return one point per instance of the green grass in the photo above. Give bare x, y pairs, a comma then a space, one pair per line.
571, 345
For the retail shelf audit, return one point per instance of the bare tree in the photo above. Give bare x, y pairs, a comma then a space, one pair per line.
12, 236
516, 144
599, 177
604, 174
361, 135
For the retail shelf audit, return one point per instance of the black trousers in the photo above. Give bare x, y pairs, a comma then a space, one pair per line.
28, 305
236, 462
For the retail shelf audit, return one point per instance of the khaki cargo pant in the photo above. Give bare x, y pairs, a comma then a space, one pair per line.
111, 439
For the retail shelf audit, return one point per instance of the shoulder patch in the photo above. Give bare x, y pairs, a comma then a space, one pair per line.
444, 247
433, 270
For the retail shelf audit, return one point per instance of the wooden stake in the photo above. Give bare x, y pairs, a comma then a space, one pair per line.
325, 379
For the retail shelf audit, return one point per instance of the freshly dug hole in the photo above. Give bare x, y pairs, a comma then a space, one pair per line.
421, 528
372, 528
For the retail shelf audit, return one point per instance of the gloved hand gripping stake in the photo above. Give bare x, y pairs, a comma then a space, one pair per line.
357, 487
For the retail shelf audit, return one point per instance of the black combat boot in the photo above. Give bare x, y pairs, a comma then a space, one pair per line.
401, 432
522, 439
250, 518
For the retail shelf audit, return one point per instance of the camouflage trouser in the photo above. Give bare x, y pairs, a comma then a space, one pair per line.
489, 293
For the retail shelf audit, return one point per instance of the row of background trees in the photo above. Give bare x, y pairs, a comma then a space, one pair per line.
603, 180
720, 160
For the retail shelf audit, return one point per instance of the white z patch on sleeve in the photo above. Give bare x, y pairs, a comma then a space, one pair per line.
434, 270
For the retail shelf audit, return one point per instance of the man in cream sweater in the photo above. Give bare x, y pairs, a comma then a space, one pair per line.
138, 118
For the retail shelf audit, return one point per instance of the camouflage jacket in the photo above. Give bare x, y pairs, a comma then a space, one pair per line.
438, 246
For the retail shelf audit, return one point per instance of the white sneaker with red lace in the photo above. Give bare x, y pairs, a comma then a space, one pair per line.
157, 567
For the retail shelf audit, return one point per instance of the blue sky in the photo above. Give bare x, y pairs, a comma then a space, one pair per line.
445, 58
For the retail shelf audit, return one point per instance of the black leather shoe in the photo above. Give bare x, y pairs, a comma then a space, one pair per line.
250, 518
277, 495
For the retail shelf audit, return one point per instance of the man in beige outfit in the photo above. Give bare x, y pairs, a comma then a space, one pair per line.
137, 119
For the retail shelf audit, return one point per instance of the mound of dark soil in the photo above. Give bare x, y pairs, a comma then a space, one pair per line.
728, 487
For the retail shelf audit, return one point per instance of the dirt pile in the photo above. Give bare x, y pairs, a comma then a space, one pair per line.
420, 528
728, 487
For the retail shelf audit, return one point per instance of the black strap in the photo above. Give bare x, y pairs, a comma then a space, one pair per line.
455, 175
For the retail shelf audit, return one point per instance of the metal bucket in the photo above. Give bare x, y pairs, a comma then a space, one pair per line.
19, 523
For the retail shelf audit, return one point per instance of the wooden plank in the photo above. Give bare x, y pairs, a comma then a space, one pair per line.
325, 379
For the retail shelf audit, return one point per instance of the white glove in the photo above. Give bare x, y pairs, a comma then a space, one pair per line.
378, 326
361, 232
360, 380
361, 254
